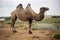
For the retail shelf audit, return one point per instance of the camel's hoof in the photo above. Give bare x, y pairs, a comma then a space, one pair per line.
14, 31
30, 32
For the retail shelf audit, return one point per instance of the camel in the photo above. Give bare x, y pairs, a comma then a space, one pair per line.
26, 14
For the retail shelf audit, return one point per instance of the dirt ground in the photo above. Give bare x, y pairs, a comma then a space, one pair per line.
22, 34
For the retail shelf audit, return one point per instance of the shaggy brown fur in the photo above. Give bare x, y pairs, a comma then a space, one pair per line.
27, 14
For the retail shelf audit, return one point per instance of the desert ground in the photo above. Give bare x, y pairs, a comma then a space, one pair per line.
22, 30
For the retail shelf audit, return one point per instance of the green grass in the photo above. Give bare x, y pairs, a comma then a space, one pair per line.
48, 22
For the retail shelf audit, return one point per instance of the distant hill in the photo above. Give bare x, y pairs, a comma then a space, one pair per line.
55, 16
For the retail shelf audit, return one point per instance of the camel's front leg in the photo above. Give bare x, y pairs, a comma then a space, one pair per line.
12, 24
13, 28
30, 22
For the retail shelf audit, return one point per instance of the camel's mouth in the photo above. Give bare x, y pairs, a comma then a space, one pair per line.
47, 8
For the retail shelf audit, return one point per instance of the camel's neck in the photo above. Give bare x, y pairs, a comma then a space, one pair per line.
41, 13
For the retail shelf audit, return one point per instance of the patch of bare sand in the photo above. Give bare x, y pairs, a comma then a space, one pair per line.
22, 34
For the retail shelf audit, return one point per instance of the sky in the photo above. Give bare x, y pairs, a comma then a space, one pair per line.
7, 6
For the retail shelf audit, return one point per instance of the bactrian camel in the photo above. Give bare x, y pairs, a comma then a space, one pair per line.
26, 14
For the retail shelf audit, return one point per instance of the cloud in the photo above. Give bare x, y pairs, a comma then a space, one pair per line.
6, 4
9, 5
4, 11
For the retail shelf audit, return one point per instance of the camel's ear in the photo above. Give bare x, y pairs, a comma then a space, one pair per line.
42, 8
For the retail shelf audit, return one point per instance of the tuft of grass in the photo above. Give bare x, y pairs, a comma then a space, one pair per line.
18, 25
7, 36
25, 28
35, 28
35, 37
57, 36
2, 26
7, 22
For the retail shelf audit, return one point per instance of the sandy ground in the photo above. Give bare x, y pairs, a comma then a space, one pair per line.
22, 34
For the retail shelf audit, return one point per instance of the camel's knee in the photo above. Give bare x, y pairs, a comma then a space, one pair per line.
12, 23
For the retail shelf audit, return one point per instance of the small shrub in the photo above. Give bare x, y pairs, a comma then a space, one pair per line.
7, 18
55, 16
57, 36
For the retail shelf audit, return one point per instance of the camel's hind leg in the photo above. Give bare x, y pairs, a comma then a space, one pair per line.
13, 19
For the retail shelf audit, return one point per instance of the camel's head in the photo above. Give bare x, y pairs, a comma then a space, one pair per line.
44, 8
20, 5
